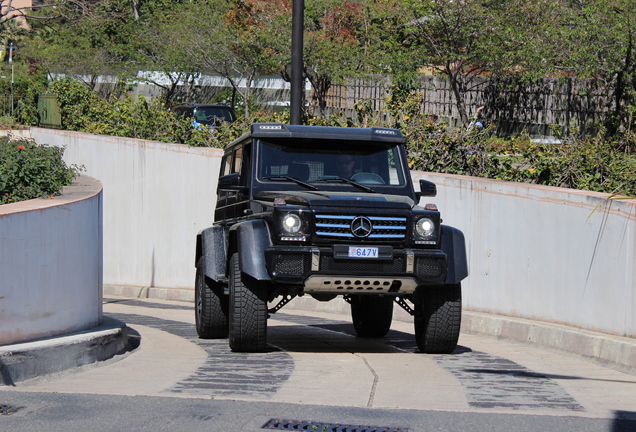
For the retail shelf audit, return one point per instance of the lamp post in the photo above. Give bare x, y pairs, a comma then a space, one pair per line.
11, 61
297, 81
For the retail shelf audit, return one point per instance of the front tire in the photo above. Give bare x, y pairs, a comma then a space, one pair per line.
211, 307
248, 313
371, 315
438, 312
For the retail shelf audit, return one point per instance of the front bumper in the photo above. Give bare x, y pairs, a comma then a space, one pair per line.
318, 270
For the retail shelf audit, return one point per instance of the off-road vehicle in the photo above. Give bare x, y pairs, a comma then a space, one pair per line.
326, 212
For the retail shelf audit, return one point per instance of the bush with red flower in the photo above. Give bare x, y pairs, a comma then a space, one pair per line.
29, 170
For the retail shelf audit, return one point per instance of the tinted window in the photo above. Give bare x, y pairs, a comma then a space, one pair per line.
362, 162
213, 115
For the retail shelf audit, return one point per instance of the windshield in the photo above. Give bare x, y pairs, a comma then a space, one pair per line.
319, 161
213, 115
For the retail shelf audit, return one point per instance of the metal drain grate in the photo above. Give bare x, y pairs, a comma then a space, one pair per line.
305, 425
8, 409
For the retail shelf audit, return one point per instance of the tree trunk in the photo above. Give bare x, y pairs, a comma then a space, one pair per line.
459, 91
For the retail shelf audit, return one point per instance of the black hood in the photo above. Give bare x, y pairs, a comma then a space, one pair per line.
339, 199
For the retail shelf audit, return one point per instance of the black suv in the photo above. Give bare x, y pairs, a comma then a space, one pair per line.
326, 212
210, 115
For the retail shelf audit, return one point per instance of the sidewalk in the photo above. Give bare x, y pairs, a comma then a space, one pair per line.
24, 361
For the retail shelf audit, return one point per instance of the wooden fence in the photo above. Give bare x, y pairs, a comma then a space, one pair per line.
511, 105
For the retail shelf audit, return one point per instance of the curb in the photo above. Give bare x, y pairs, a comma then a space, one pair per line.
23, 361
611, 351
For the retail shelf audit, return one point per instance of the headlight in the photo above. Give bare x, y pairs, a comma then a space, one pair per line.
292, 223
424, 228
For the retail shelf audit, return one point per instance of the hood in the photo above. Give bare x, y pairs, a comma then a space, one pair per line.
338, 199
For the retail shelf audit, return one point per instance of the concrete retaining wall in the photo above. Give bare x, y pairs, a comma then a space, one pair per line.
51, 264
534, 252
544, 253
157, 197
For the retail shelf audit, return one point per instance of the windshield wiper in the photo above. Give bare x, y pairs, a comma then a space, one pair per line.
346, 180
294, 179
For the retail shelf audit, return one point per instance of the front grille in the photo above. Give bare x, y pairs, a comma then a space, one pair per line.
339, 227
429, 268
355, 266
290, 264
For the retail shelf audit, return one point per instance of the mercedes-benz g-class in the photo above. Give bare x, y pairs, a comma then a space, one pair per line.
326, 212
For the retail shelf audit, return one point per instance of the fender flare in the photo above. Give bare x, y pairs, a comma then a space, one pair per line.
250, 239
212, 245
454, 246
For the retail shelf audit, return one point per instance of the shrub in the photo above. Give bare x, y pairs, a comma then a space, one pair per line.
434, 147
28, 170
601, 164
7, 122
590, 163
596, 164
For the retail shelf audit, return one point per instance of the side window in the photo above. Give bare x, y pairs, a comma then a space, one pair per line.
227, 164
238, 159
246, 170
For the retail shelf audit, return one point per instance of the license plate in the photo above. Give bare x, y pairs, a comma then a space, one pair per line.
363, 252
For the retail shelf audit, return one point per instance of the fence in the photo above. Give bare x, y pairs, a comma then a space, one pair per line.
512, 105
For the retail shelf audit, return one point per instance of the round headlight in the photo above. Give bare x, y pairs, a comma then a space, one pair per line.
424, 227
292, 223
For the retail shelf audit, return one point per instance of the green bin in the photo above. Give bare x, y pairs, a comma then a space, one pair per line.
49, 110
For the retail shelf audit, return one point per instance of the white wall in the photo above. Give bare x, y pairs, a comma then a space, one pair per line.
51, 264
157, 197
551, 254
534, 252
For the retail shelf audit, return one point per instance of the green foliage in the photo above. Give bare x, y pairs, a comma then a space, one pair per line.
27, 84
7, 122
28, 170
79, 105
434, 147
83, 110
403, 103
598, 164
594, 164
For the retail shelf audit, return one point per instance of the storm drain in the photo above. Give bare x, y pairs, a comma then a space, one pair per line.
305, 425
8, 409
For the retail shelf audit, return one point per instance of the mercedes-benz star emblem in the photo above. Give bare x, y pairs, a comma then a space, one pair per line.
361, 227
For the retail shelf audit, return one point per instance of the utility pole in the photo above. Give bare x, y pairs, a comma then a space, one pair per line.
297, 81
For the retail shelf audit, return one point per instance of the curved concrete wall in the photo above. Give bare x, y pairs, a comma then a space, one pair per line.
534, 252
51, 264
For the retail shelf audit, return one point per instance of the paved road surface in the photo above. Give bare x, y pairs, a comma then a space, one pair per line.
317, 370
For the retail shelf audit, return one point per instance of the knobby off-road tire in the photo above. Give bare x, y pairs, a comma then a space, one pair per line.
371, 315
438, 312
248, 313
211, 307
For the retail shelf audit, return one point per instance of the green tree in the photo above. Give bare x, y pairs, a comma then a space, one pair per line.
461, 40
597, 38
226, 42
84, 39
161, 53
341, 41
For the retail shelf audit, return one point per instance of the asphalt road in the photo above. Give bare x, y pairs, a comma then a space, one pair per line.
318, 376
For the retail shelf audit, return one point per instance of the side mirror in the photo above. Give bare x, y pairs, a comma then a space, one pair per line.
230, 181
427, 189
